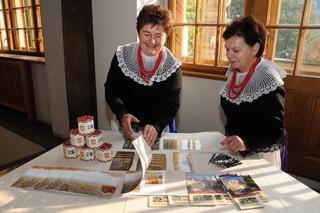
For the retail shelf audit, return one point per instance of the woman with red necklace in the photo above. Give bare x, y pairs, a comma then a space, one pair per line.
253, 96
144, 80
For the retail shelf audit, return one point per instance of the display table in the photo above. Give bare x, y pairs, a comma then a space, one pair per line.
285, 193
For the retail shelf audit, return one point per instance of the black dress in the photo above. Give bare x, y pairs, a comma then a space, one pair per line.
257, 115
155, 104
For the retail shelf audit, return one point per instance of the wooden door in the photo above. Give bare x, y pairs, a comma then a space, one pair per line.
302, 121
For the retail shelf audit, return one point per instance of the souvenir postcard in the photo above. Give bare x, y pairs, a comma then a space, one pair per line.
201, 200
151, 184
184, 144
182, 161
158, 162
153, 178
158, 201
178, 200
122, 161
249, 202
171, 144
128, 145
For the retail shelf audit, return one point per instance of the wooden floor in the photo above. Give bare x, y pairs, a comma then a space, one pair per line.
36, 132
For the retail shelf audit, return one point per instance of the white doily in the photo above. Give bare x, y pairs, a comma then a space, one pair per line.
128, 62
266, 78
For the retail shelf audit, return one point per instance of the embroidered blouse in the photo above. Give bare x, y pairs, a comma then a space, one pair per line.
257, 114
154, 102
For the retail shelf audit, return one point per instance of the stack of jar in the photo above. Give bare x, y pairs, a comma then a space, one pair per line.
86, 142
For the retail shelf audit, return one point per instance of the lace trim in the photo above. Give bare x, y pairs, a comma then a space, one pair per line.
270, 148
127, 58
266, 78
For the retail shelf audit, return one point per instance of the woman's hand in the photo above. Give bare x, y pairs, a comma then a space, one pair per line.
234, 143
150, 134
126, 121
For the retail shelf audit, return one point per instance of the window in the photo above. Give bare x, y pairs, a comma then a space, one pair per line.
293, 40
197, 36
20, 27
293, 33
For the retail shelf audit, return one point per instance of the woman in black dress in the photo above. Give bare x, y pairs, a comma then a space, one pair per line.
253, 96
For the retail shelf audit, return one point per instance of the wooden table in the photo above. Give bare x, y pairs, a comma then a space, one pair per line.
285, 193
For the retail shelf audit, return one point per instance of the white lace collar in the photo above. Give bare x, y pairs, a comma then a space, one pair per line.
127, 58
266, 78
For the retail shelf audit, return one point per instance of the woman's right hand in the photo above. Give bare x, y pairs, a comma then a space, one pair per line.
126, 121
234, 143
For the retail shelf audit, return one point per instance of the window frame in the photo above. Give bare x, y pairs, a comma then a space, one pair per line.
199, 70
32, 32
260, 11
302, 27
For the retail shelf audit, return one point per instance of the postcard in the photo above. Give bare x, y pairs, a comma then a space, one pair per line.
182, 161
158, 162
183, 144
178, 200
158, 201
122, 161
249, 202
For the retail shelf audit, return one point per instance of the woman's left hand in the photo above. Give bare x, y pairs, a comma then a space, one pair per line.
234, 143
149, 133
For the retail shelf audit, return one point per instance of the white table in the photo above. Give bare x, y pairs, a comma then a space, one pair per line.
285, 193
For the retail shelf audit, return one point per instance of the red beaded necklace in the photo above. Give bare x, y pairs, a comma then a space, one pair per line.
148, 74
235, 90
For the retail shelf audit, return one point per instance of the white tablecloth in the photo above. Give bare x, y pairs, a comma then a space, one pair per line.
285, 193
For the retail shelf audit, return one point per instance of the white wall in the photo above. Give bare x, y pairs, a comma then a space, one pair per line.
114, 24
54, 72
40, 87
200, 105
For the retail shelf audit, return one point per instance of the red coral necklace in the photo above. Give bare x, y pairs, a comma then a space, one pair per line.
145, 75
235, 90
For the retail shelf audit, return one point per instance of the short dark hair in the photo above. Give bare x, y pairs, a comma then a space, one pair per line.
250, 29
155, 14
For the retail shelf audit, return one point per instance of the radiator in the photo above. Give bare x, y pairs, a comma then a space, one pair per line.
16, 88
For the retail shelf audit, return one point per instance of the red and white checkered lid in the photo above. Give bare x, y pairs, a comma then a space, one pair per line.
84, 118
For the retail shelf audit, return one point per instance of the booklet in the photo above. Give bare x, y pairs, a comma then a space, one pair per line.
255, 188
241, 193
205, 189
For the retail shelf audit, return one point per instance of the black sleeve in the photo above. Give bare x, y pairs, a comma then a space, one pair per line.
271, 126
170, 101
113, 92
